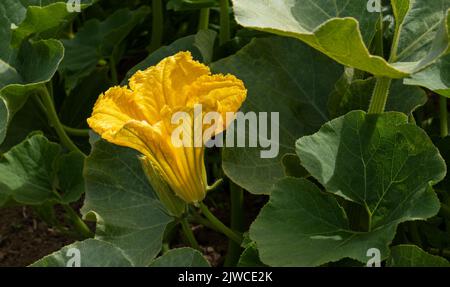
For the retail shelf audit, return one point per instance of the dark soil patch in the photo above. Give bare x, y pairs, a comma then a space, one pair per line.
24, 238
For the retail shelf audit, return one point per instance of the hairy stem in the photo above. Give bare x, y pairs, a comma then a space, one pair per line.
380, 95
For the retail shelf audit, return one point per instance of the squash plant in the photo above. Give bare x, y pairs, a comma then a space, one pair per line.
360, 88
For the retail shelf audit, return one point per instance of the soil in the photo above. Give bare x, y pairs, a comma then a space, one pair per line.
24, 238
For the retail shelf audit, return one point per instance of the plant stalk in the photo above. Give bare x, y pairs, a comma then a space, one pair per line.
76, 132
54, 120
78, 223
219, 225
157, 25
237, 223
380, 95
224, 22
203, 22
189, 234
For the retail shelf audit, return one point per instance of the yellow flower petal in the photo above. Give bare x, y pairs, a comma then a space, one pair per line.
140, 117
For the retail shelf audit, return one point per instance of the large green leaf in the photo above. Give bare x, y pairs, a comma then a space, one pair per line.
97, 40
22, 69
30, 171
309, 228
92, 253
435, 78
181, 257
380, 162
127, 211
44, 20
397, 162
413, 256
343, 30
285, 76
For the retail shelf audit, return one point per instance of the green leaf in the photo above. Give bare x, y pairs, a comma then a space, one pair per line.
93, 253
45, 21
70, 176
22, 70
200, 45
343, 29
435, 78
123, 203
78, 105
270, 70
397, 161
250, 257
413, 256
357, 95
379, 162
27, 120
181, 257
29, 173
309, 228
95, 41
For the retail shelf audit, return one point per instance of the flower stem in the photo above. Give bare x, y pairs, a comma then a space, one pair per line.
189, 234
380, 95
78, 223
237, 223
443, 115
76, 132
224, 21
54, 121
157, 25
219, 225
203, 22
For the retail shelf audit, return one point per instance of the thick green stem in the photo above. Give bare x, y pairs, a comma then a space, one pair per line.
189, 234
76, 132
198, 219
78, 223
219, 225
224, 21
380, 95
54, 121
443, 115
157, 25
203, 22
237, 223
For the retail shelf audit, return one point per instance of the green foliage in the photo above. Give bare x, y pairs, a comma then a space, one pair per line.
342, 181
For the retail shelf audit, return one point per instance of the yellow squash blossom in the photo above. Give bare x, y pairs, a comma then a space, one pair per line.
140, 117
